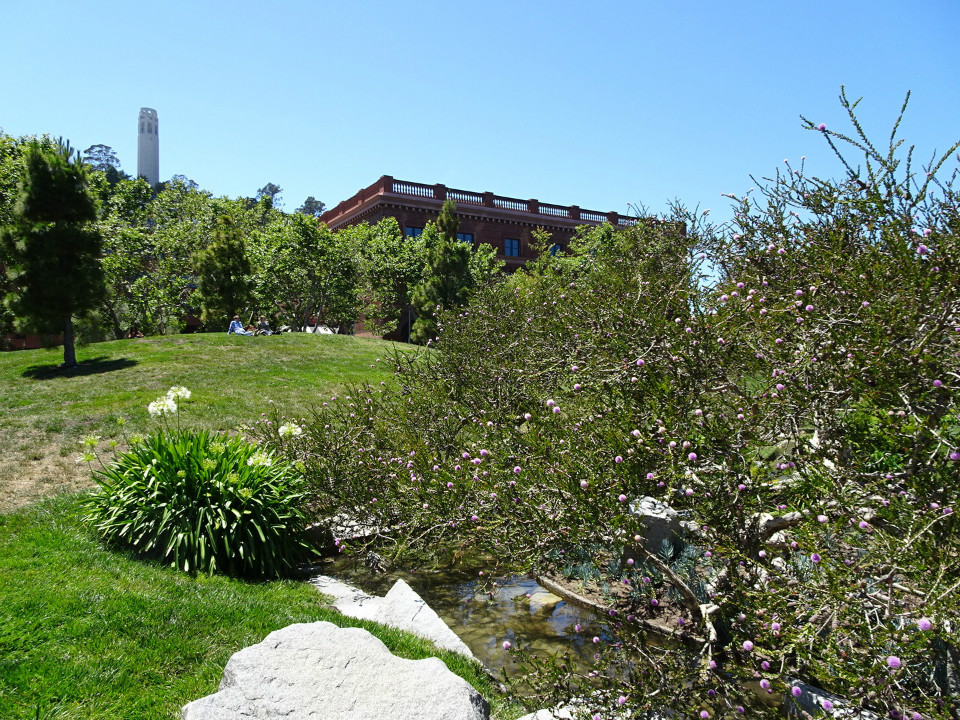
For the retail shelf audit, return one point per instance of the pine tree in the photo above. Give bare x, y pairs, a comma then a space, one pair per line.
448, 223
447, 283
52, 250
224, 275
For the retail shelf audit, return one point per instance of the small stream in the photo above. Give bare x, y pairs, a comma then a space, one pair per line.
520, 611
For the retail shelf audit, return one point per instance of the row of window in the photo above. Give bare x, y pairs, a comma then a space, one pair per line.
511, 246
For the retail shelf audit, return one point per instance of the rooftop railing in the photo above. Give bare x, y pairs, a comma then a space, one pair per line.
387, 185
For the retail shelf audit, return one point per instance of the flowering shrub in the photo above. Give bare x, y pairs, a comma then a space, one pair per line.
202, 503
797, 408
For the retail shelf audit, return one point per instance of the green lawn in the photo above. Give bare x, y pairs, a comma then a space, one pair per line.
86, 632
45, 412
90, 633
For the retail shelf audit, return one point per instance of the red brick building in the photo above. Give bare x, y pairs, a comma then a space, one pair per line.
505, 223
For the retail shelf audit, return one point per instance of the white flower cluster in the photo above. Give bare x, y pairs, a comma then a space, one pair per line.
167, 405
162, 406
178, 392
259, 458
290, 430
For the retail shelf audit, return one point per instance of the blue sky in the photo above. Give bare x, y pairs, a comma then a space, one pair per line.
600, 104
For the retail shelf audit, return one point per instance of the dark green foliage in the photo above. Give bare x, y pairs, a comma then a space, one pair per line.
105, 160
202, 503
798, 408
303, 270
312, 207
223, 271
51, 250
270, 193
448, 224
446, 285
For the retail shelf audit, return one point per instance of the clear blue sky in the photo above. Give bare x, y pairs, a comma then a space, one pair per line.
598, 104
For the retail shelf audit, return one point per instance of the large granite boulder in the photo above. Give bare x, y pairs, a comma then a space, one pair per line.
324, 672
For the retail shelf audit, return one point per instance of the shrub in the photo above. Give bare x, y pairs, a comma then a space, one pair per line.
202, 503
799, 408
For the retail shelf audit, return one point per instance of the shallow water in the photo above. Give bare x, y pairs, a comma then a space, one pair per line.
484, 622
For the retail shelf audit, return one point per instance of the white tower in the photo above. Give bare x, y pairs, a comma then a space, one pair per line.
148, 147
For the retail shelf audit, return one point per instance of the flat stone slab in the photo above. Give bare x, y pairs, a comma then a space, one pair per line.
318, 671
543, 600
401, 608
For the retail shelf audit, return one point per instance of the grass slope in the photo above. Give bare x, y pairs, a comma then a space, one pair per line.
89, 633
45, 412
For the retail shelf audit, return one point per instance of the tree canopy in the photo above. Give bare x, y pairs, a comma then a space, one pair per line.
52, 249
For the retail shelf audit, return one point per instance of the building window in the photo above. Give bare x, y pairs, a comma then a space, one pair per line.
556, 248
465, 237
413, 232
511, 247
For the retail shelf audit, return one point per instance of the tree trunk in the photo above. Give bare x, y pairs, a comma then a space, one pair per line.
69, 351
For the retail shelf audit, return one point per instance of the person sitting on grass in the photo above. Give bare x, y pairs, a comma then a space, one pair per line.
236, 327
263, 327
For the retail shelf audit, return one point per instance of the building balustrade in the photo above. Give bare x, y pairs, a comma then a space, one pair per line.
388, 186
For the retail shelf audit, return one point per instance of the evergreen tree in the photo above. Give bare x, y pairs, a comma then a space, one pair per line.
224, 275
447, 283
51, 248
448, 223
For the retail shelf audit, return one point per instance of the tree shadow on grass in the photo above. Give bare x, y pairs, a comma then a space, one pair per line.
91, 366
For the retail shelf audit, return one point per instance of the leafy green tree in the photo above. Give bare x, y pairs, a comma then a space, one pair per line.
447, 282
390, 266
52, 249
311, 206
223, 270
302, 269
188, 182
129, 261
270, 192
105, 160
484, 266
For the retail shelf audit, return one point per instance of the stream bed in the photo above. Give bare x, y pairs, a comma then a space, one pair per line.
519, 611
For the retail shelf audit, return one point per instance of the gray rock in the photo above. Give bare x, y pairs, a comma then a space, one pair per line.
401, 608
543, 600
811, 699
320, 671
661, 524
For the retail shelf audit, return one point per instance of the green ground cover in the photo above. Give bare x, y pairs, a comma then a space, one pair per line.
86, 632
90, 633
45, 412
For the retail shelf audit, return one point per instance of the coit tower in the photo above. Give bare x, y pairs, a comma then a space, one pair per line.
148, 147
